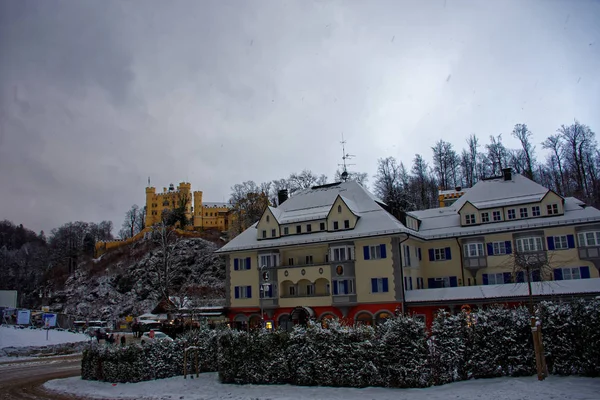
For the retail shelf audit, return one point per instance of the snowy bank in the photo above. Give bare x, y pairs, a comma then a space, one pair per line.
207, 386
24, 342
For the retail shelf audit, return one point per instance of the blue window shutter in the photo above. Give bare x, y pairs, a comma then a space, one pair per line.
453, 281
520, 276
237, 291
345, 286
584, 272
571, 241
558, 274
236, 264
270, 291
550, 240
374, 285
490, 249
385, 285
535, 276
508, 245
335, 287
248, 262
448, 254
507, 277
366, 252
249, 292
383, 254
420, 258
409, 282
431, 256
430, 283
485, 278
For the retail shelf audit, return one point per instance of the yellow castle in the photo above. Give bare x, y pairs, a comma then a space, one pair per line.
201, 215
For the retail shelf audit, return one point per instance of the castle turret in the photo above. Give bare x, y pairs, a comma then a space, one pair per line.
150, 197
198, 209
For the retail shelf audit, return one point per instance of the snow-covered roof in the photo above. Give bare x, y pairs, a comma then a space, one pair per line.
315, 203
548, 288
437, 223
498, 192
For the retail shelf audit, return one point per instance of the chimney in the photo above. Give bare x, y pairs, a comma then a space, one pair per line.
507, 173
282, 196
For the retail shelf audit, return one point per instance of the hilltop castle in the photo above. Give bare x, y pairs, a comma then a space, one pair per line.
201, 215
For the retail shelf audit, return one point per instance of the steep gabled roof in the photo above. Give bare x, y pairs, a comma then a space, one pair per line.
315, 203
498, 192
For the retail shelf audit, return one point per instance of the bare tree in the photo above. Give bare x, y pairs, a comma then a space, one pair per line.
497, 154
305, 180
524, 135
555, 145
360, 177
248, 204
165, 237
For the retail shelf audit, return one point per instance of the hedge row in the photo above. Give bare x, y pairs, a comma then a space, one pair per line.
400, 353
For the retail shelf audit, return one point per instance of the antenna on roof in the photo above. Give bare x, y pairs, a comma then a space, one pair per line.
148, 181
345, 156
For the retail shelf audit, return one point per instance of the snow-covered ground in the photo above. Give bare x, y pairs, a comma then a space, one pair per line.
11, 337
207, 386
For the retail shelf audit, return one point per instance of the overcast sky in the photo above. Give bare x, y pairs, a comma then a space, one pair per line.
95, 97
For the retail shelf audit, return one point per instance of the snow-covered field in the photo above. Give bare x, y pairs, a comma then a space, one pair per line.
207, 386
11, 337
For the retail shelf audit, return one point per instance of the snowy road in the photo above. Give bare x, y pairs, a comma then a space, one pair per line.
24, 379
207, 387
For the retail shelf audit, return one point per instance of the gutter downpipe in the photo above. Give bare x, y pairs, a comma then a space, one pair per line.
462, 269
402, 273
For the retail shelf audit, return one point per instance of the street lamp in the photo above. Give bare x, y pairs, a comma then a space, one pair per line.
263, 278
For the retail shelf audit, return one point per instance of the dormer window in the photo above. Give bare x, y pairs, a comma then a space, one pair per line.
286, 230
347, 224
512, 214
535, 211
485, 217
339, 209
336, 225
298, 228
322, 226
552, 209
470, 219
496, 216
524, 212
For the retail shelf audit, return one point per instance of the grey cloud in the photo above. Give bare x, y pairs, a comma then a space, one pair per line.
97, 96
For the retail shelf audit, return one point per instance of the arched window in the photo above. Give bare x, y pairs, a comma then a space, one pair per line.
364, 318
339, 209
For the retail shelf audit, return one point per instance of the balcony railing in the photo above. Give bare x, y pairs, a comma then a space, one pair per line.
475, 262
591, 252
289, 296
344, 299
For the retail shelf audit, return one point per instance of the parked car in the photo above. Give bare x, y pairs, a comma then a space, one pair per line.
155, 335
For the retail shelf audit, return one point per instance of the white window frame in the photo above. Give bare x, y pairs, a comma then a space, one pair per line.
470, 219
475, 249
485, 217
309, 259
340, 284
589, 238
243, 292
496, 216
496, 279
561, 242
535, 211
264, 233
511, 214
407, 260
268, 260
446, 280
570, 273
524, 212
310, 289
552, 208
243, 265
375, 252
380, 286
439, 254
529, 244
286, 230
499, 248
292, 290
348, 253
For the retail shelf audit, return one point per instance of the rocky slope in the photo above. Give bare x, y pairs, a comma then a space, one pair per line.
125, 282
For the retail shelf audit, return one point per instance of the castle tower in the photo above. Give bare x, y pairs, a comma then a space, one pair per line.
185, 189
198, 209
150, 209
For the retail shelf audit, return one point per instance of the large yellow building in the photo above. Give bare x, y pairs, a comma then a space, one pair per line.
201, 215
333, 251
